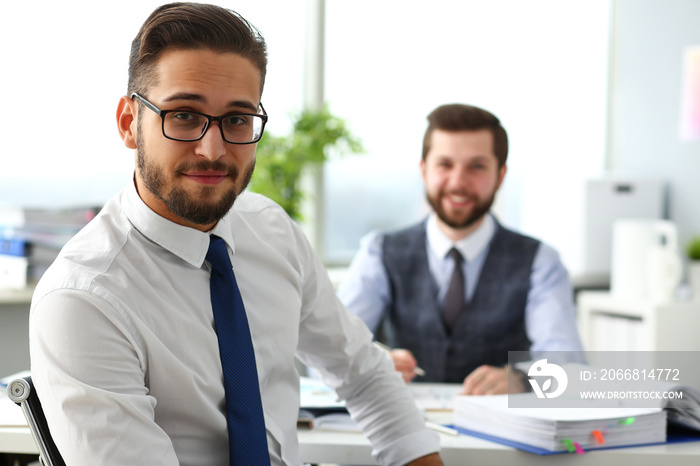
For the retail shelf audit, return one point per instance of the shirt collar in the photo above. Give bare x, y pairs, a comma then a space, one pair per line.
189, 244
470, 247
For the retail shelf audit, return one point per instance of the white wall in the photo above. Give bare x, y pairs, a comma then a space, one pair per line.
539, 65
64, 68
646, 94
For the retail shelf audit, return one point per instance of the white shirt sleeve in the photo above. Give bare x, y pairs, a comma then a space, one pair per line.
365, 289
339, 345
96, 374
550, 314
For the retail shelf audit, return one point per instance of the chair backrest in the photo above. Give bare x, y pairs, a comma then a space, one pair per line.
22, 392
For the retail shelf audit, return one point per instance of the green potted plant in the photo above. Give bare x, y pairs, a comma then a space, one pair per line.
281, 160
693, 252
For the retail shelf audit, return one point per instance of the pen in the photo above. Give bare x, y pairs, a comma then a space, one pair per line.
417, 369
440, 428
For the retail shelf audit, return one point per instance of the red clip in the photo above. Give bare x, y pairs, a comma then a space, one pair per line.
598, 436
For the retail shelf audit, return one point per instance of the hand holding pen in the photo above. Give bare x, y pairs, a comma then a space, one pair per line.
404, 362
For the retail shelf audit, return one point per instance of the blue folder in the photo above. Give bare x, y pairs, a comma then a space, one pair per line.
673, 435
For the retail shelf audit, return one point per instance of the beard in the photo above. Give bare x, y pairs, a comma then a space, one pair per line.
194, 209
464, 220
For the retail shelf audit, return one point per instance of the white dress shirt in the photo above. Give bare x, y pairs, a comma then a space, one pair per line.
126, 361
550, 321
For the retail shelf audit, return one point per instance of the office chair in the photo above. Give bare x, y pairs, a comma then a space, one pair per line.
22, 392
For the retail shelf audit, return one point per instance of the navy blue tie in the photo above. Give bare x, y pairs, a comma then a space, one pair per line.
244, 415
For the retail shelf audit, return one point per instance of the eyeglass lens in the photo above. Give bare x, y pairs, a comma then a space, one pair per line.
189, 126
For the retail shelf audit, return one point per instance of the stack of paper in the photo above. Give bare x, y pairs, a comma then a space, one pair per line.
560, 429
31, 238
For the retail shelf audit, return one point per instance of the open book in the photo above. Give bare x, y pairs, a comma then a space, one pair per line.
327, 420
320, 408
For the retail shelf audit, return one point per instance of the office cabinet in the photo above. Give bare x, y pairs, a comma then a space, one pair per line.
608, 323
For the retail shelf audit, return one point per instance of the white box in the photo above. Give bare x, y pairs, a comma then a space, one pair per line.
610, 199
13, 272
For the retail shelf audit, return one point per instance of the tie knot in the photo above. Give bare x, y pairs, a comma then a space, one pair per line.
217, 255
455, 255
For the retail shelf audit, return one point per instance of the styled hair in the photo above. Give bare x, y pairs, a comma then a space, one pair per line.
460, 117
192, 26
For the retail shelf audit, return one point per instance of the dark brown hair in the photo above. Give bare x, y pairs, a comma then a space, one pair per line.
460, 117
188, 26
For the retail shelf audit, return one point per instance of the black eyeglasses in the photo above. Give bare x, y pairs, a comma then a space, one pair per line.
188, 126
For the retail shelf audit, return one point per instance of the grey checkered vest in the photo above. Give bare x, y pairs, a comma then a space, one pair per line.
493, 322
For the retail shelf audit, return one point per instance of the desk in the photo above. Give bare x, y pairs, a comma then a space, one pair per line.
17, 440
353, 448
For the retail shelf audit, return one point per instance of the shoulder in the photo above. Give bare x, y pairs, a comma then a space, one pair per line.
417, 228
88, 255
516, 240
405, 237
250, 202
256, 220
402, 248
544, 255
261, 213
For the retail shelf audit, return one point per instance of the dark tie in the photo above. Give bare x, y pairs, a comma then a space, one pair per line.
244, 415
454, 299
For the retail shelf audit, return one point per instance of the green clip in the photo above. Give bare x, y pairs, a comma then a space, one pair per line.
569, 445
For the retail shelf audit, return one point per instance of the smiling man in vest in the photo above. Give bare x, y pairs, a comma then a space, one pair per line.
454, 293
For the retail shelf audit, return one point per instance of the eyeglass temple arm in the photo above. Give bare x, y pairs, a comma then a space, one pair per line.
158, 111
146, 102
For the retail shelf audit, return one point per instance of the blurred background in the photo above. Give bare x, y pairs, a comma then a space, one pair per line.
587, 90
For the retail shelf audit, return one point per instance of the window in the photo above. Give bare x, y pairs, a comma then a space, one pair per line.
540, 66
53, 49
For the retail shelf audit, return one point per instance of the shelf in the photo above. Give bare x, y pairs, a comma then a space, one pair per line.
13, 296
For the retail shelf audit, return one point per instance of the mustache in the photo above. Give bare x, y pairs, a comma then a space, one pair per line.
204, 165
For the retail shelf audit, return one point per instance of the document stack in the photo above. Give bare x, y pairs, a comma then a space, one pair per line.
548, 430
31, 238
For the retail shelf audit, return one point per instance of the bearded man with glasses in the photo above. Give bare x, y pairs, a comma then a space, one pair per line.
146, 347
